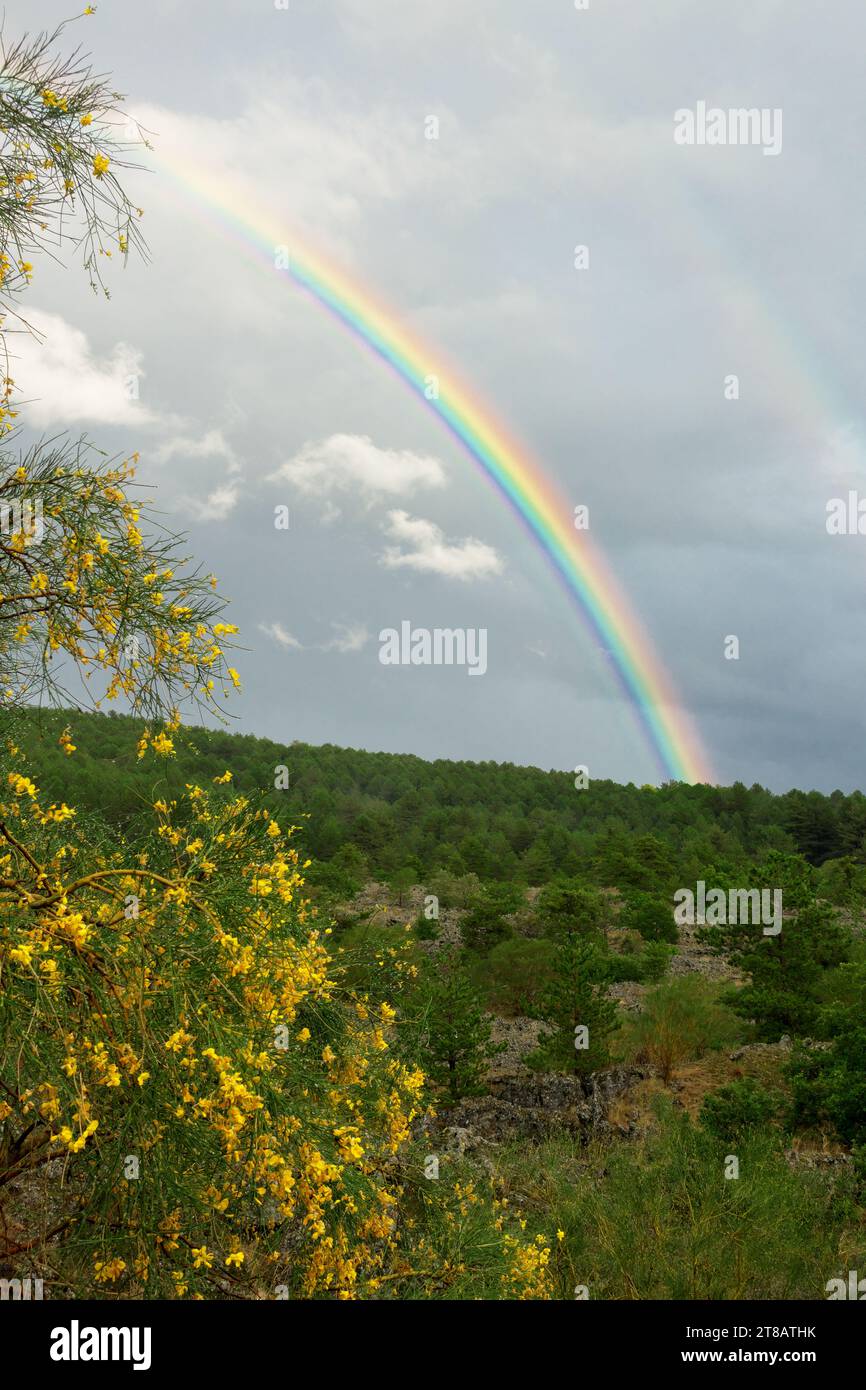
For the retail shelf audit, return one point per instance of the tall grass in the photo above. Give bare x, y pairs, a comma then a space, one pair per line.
658, 1219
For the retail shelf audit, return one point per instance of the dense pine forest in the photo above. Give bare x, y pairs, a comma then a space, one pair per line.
381, 813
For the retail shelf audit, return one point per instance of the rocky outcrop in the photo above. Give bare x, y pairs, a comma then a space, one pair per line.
517, 1037
536, 1108
694, 957
812, 1158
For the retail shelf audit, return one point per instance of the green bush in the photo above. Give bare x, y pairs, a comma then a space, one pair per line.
683, 1019
515, 974
651, 916
486, 924
654, 961
829, 1084
616, 969
376, 960
426, 928
569, 905
736, 1109
454, 890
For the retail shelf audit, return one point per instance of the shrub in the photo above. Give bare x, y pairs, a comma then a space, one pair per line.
654, 961
829, 1084
572, 906
515, 974
211, 1056
376, 960
615, 968
486, 923
682, 1019
652, 917
426, 928
732, 1111
454, 890
665, 1224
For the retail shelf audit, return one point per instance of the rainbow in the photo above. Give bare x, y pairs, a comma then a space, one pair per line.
574, 557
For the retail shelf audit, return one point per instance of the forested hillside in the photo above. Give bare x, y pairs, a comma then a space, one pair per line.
592, 1062
495, 820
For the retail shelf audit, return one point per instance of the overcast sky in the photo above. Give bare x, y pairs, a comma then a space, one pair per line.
556, 128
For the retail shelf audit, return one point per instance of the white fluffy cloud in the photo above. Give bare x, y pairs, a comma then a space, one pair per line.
278, 634
352, 463
219, 503
64, 383
430, 552
348, 637
323, 162
213, 444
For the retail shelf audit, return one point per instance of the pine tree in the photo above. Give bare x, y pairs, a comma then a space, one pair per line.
570, 906
486, 924
454, 1043
575, 1000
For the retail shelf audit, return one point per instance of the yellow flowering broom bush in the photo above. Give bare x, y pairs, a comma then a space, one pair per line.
81, 595
193, 1100
210, 1116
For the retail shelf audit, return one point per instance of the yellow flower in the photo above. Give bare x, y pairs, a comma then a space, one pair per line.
21, 785
202, 1258
76, 1145
65, 741
100, 164
236, 1258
